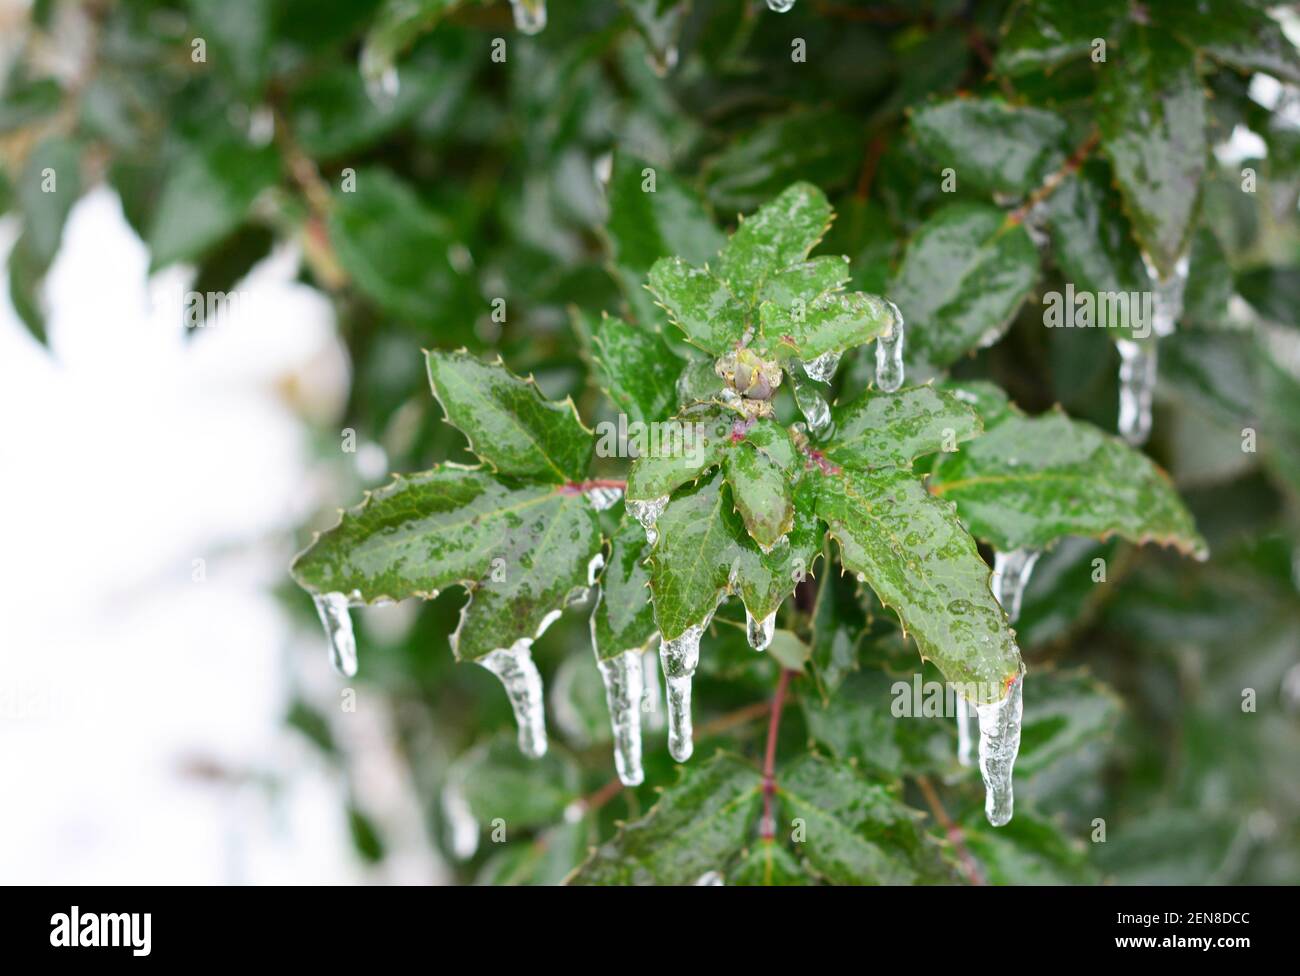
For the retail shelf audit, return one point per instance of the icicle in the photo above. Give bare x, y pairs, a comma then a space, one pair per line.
808, 398
963, 731
647, 513
999, 745
379, 75
623, 680
333, 610
889, 354
530, 15
822, 369
711, 879
1011, 572
603, 498
652, 695
678, 658
462, 826
1137, 384
759, 632
1167, 297
780, 7
514, 666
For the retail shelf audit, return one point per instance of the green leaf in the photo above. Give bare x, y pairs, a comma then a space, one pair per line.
208, 195
508, 422
768, 864
1026, 851
857, 832
788, 650
1237, 33
964, 275
779, 234
895, 429
911, 549
522, 550
762, 494
1064, 713
991, 145
696, 827
698, 303
624, 618
830, 323
636, 367
701, 437
1151, 110
45, 192
396, 27
497, 780
239, 36
1032, 480
838, 626
1043, 34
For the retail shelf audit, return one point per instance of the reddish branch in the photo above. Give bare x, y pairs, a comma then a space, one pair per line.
768, 824
1051, 184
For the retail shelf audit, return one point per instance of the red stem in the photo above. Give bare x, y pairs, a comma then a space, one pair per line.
767, 828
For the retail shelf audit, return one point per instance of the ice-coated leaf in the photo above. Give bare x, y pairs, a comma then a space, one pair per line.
697, 826
704, 552
1151, 110
635, 366
963, 277
829, 323
896, 428
814, 277
769, 864
646, 226
858, 832
623, 618
507, 421
700, 437
780, 233
1043, 34
699, 303
1237, 33
913, 551
1032, 480
522, 550
761, 492
991, 144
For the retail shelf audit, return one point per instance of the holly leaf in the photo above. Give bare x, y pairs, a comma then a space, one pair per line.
761, 492
1032, 480
910, 548
1238, 34
697, 826
521, 549
636, 367
879, 429
1151, 111
1044, 34
779, 234
963, 276
830, 323
993, 146
696, 444
623, 618
699, 303
769, 864
856, 832
507, 421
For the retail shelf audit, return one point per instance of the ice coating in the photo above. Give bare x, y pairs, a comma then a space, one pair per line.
333, 610
1167, 297
889, 354
964, 744
999, 745
759, 632
603, 498
780, 7
1137, 385
678, 658
808, 397
523, 683
530, 15
647, 513
822, 369
623, 679
1011, 572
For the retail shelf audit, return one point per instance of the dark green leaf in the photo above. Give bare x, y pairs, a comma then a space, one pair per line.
624, 619
895, 429
635, 366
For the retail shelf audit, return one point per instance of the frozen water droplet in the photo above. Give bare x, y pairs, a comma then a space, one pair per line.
647, 513
758, 631
603, 498
623, 693
1137, 384
780, 7
530, 15
889, 354
823, 367
999, 746
514, 666
811, 403
1011, 572
461, 825
678, 658
710, 879
963, 731
333, 610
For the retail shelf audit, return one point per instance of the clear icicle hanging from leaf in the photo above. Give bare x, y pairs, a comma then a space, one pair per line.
1137, 384
333, 610
623, 679
759, 632
780, 6
530, 15
808, 398
679, 657
889, 354
999, 746
1011, 572
523, 683
647, 513
964, 743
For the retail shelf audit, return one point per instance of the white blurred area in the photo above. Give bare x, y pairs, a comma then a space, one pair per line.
142, 693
